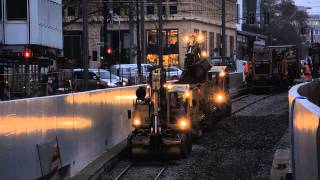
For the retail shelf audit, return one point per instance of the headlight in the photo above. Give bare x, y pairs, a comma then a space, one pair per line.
183, 124
168, 86
109, 84
137, 122
187, 94
220, 98
222, 74
124, 83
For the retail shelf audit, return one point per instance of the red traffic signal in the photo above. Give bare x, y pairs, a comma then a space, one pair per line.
109, 51
27, 53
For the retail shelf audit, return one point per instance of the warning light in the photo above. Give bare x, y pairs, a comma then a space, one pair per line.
109, 51
27, 53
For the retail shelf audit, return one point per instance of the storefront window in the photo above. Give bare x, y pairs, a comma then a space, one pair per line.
152, 38
168, 60
172, 38
169, 38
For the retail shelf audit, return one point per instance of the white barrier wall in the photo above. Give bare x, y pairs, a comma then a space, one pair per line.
304, 130
86, 125
236, 80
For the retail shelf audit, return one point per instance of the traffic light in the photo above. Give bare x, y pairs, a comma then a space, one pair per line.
109, 51
27, 53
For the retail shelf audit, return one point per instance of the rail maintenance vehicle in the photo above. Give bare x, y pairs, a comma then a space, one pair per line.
274, 67
167, 115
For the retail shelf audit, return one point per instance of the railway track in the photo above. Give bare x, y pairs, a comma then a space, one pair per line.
162, 168
156, 170
250, 103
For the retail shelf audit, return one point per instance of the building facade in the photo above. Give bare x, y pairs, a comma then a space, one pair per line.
30, 40
184, 18
313, 29
249, 23
180, 18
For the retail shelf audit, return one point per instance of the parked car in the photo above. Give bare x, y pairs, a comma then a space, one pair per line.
216, 61
173, 72
130, 71
98, 79
105, 77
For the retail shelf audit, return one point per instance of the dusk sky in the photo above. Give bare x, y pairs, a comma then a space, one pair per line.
314, 4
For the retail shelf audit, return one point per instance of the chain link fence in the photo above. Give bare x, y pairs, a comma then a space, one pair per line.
27, 85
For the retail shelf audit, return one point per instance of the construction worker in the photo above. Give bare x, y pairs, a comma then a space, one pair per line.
307, 72
246, 69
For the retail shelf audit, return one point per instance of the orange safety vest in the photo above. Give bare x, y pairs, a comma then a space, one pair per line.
246, 69
307, 73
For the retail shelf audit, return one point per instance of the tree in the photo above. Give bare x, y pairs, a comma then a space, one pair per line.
286, 21
95, 9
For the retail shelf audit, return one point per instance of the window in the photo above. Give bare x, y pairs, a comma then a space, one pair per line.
164, 12
16, 9
231, 45
71, 11
172, 38
205, 42
173, 9
79, 11
150, 10
211, 44
238, 14
92, 76
152, 38
218, 46
78, 75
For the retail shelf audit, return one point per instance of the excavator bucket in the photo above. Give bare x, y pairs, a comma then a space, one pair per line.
196, 73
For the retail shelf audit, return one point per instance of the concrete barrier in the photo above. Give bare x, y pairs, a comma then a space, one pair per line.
304, 130
85, 125
235, 82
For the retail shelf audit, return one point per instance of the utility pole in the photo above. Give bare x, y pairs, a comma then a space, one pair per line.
85, 42
131, 32
160, 33
138, 39
105, 29
142, 33
312, 36
223, 31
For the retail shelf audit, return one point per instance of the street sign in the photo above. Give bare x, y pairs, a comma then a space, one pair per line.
99, 43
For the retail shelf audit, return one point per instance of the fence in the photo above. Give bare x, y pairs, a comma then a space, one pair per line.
23, 85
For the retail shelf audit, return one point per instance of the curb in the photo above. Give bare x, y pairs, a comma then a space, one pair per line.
103, 163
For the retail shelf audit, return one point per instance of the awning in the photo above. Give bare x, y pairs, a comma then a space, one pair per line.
251, 34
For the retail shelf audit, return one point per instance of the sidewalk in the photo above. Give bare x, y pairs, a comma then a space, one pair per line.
281, 165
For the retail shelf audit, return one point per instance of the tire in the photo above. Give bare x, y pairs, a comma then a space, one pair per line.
186, 145
228, 110
129, 146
